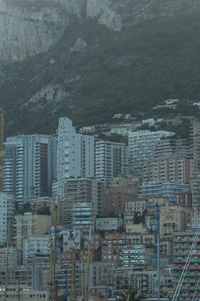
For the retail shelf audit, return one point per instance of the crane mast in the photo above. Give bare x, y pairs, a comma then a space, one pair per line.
54, 253
51, 273
88, 268
18, 291
83, 284
53, 294
73, 297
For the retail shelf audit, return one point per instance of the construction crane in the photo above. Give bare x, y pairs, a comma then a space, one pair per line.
18, 291
1, 147
73, 297
83, 284
54, 253
53, 294
88, 267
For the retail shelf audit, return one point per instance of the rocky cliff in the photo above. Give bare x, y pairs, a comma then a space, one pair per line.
88, 59
32, 26
29, 27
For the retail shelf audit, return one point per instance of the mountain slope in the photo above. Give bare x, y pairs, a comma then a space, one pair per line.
92, 71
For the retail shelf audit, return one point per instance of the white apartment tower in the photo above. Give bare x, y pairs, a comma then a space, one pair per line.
111, 160
142, 145
75, 156
29, 166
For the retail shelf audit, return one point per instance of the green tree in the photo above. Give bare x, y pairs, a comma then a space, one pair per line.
44, 211
137, 218
62, 297
129, 295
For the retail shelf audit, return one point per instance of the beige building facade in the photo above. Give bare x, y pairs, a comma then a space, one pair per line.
30, 225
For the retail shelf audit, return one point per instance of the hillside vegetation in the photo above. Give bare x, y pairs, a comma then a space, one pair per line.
128, 71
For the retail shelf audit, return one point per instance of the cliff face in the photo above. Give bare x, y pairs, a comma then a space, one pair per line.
57, 59
29, 27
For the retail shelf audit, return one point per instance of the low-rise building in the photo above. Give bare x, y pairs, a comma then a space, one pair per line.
21, 274
112, 246
30, 224
172, 219
42, 203
83, 216
166, 247
115, 197
108, 223
145, 280
138, 206
139, 234
71, 239
166, 189
184, 199
36, 246
23, 293
192, 219
157, 201
136, 255
13, 257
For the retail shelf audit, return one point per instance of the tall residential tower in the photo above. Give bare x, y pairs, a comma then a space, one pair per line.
75, 156
29, 166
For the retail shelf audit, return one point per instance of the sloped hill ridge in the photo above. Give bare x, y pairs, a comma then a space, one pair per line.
90, 58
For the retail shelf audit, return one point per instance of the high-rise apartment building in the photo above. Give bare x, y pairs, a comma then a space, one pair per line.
142, 145
83, 156
75, 156
172, 161
29, 166
195, 190
167, 189
195, 146
170, 169
111, 160
182, 243
81, 190
172, 146
7, 212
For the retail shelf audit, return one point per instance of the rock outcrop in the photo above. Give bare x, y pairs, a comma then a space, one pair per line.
29, 27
